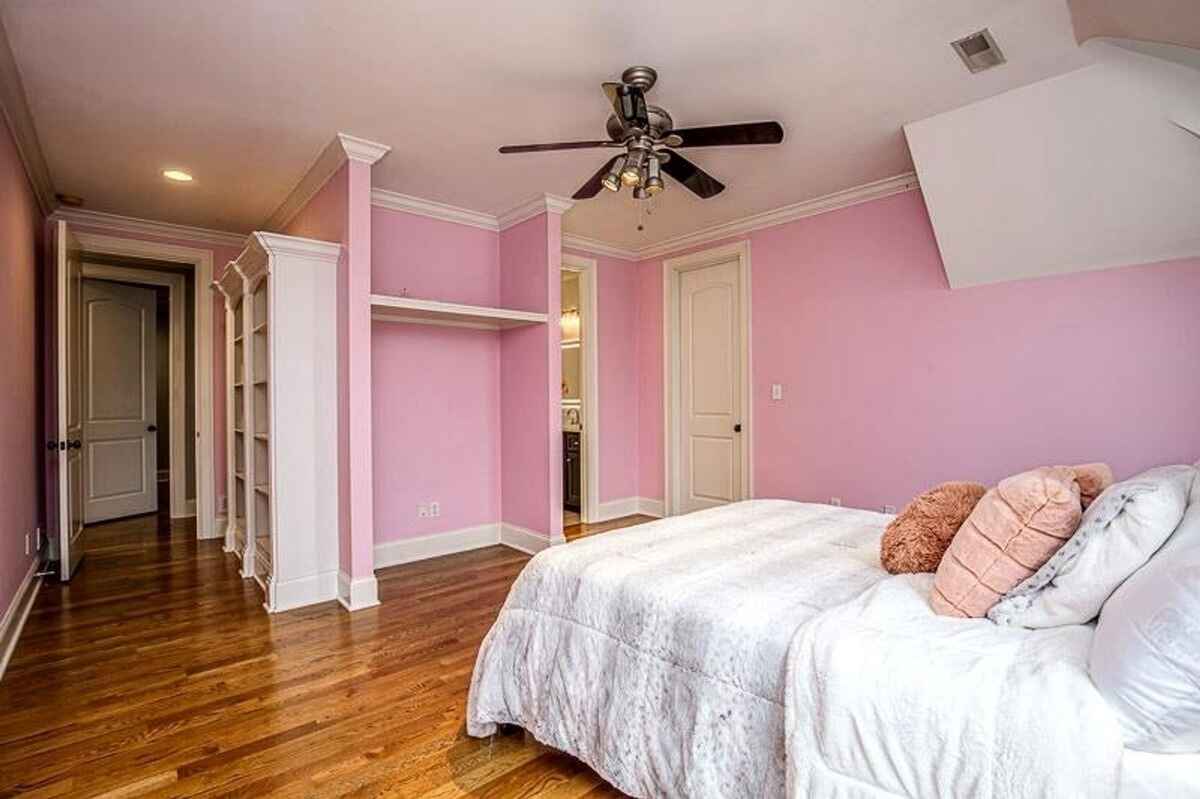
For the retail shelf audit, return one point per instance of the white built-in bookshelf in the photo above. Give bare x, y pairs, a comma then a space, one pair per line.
281, 322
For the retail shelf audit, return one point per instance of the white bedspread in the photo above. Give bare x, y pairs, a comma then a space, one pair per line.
888, 699
657, 654
759, 650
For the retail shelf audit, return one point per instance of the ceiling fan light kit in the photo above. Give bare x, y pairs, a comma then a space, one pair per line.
646, 133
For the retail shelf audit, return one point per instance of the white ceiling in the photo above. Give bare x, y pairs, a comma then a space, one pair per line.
246, 94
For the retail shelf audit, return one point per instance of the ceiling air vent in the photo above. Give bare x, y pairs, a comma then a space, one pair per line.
979, 51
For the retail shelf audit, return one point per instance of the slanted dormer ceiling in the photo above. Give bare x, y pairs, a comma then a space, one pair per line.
1087, 170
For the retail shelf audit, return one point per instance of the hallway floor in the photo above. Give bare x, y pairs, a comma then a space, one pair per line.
156, 672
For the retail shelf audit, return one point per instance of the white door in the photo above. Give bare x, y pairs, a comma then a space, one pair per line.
120, 431
68, 280
710, 379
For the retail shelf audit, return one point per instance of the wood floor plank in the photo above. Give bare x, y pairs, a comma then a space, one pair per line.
155, 672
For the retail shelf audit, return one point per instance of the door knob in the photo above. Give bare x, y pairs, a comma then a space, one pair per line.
737, 428
75, 444
152, 428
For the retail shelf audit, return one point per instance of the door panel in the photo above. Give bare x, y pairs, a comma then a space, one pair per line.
69, 278
120, 369
710, 386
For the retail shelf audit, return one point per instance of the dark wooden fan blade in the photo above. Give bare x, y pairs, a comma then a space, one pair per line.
725, 135
692, 176
610, 91
592, 187
558, 145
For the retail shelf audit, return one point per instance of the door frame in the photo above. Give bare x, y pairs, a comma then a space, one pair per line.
672, 269
177, 400
201, 262
589, 394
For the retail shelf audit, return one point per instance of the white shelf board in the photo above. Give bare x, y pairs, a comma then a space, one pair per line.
431, 312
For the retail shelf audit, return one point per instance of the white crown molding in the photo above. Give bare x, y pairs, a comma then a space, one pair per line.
788, 213
364, 150
571, 241
147, 227
277, 243
550, 203
342, 148
14, 107
542, 204
395, 201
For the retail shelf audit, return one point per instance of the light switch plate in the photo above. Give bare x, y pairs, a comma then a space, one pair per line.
777, 391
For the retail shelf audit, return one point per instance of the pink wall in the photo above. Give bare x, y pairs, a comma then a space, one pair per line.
436, 389
437, 424
893, 383
433, 259
530, 376
650, 380
21, 439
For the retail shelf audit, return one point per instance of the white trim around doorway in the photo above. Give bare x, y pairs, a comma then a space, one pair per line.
181, 507
201, 261
589, 362
672, 268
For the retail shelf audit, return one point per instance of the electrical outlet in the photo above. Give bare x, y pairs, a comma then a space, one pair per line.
835, 501
422, 511
889, 508
435, 509
777, 391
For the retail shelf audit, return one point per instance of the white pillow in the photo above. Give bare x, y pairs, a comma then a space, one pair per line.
1119, 532
1145, 656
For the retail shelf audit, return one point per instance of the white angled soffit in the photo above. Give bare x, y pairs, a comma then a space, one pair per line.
1092, 169
551, 203
341, 149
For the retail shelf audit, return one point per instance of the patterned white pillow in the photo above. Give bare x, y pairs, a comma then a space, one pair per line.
1119, 532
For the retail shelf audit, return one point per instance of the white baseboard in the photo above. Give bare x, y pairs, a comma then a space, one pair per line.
357, 594
16, 613
652, 507
629, 506
408, 550
217, 531
521, 539
310, 590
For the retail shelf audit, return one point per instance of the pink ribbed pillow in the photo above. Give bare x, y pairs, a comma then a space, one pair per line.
1013, 530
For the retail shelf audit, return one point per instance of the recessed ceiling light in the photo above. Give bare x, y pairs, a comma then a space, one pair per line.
177, 175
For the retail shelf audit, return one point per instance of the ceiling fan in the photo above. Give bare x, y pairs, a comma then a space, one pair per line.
645, 134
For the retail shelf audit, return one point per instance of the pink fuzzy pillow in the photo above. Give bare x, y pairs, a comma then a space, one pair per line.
1013, 530
916, 540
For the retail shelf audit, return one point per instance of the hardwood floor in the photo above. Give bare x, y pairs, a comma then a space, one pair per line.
576, 531
156, 672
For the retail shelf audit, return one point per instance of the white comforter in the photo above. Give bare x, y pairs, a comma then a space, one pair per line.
657, 654
887, 699
671, 657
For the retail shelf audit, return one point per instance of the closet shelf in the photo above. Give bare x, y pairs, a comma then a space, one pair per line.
431, 312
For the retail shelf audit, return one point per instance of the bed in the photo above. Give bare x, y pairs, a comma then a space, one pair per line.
759, 649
